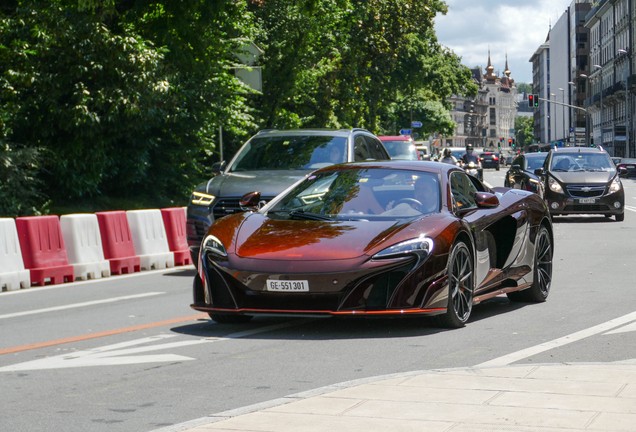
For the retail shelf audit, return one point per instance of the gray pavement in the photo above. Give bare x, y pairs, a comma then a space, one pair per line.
550, 397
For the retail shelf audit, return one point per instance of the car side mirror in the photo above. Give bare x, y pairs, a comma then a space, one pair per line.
539, 171
218, 167
250, 201
516, 166
486, 200
622, 171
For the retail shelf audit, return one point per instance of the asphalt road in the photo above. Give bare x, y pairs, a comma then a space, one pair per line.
128, 354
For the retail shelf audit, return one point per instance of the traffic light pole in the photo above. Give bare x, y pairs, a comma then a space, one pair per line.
587, 134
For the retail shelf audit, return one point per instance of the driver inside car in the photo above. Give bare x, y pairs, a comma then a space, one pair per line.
425, 199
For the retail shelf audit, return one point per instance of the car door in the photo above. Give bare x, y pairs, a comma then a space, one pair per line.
360, 149
376, 149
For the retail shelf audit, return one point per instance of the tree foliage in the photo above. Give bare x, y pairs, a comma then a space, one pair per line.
107, 100
524, 131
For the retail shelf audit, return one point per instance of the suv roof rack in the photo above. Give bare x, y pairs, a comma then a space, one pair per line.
359, 130
266, 130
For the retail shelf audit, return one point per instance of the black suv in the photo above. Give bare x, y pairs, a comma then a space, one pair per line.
581, 180
269, 163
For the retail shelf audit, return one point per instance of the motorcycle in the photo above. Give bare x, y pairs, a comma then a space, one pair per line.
473, 169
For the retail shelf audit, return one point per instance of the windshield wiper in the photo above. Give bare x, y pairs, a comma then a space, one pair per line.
302, 214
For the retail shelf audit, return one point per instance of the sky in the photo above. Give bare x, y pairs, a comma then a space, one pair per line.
517, 27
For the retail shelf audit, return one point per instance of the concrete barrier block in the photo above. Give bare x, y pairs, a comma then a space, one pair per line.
13, 275
84, 246
149, 238
117, 242
174, 221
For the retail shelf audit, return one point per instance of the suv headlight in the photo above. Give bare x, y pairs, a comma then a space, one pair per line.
214, 246
554, 185
202, 199
616, 185
421, 246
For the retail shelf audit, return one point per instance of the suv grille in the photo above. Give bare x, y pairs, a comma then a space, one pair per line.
229, 206
586, 191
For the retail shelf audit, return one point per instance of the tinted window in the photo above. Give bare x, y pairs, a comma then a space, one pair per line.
376, 149
463, 191
401, 150
291, 152
581, 162
360, 150
535, 162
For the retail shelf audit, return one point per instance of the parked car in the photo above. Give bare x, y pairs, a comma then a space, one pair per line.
270, 162
489, 160
400, 147
626, 167
521, 174
394, 238
582, 180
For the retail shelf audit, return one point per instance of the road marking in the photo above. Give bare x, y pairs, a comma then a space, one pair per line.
100, 334
556, 343
36, 289
630, 208
76, 305
120, 353
628, 328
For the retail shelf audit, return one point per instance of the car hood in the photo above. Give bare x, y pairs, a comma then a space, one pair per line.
582, 177
261, 237
268, 183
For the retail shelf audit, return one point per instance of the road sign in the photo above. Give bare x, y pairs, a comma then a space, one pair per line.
405, 131
417, 124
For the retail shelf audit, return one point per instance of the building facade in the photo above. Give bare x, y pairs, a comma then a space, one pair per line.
486, 119
541, 86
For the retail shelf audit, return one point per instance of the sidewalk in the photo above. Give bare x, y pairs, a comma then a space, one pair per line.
546, 398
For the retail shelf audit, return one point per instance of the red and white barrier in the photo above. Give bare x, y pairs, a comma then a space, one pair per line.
13, 275
149, 238
84, 246
117, 242
43, 250
174, 221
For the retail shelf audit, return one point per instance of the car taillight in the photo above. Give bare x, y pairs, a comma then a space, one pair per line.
622, 166
495, 158
481, 159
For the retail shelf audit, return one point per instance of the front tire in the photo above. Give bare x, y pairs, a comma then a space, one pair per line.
461, 286
540, 288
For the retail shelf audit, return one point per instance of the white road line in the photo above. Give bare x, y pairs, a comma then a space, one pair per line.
556, 343
76, 305
92, 281
630, 208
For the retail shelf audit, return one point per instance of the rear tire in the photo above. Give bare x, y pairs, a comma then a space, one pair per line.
461, 286
540, 288
620, 217
230, 319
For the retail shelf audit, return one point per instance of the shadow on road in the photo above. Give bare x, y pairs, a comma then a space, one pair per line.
188, 273
342, 327
582, 219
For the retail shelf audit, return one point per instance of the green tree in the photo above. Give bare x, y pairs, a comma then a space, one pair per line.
524, 131
524, 88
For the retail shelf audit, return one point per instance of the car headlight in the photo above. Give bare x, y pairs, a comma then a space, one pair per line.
421, 246
555, 186
214, 246
616, 185
202, 199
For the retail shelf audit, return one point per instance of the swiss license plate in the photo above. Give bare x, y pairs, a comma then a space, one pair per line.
288, 285
587, 201
630, 166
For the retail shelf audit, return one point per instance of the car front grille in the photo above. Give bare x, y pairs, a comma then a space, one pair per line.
586, 191
586, 208
229, 206
195, 230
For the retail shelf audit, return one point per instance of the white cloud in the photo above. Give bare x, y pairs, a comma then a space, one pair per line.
514, 26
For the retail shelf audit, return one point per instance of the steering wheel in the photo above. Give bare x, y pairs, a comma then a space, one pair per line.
419, 207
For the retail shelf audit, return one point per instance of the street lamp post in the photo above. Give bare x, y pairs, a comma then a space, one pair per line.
572, 124
563, 110
601, 122
628, 149
553, 117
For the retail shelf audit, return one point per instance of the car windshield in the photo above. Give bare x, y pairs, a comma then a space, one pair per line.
354, 194
291, 152
535, 161
581, 162
401, 150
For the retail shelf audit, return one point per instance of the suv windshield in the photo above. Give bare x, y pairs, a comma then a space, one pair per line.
370, 194
291, 152
581, 162
535, 162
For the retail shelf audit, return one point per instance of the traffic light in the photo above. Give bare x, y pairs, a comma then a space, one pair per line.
531, 100
535, 100
514, 143
509, 142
